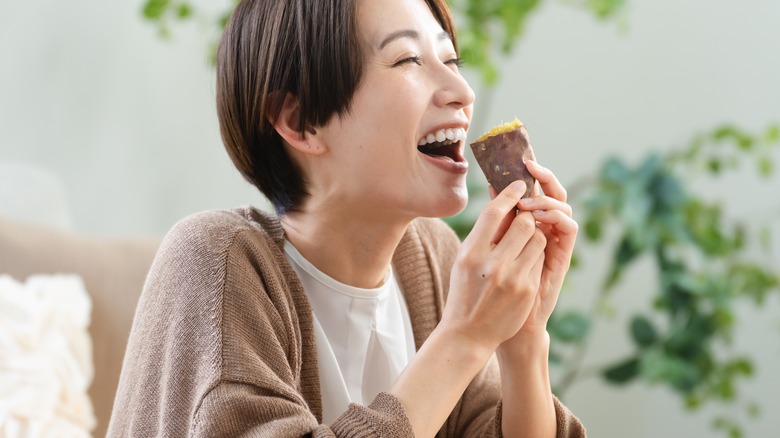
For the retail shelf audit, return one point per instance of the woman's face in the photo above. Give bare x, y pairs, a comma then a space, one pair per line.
411, 92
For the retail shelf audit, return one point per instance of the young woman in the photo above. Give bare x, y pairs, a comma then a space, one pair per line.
350, 312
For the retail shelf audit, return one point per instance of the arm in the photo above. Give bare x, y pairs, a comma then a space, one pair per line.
492, 288
525, 380
525, 387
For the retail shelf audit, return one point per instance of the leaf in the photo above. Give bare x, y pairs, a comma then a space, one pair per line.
714, 165
772, 134
643, 332
614, 171
571, 327
154, 9
680, 374
753, 410
626, 251
604, 8
740, 366
593, 228
724, 132
184, 11
622, 372
765, 166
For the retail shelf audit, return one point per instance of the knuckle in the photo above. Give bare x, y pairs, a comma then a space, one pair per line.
525, 291
465, 261
525, 222
539, 239
575, 226
491, 211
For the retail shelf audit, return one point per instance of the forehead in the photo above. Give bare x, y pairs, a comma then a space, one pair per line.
378, 18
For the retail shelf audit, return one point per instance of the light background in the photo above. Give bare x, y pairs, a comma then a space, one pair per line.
126, 123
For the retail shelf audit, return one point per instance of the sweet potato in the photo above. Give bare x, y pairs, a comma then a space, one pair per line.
501, 154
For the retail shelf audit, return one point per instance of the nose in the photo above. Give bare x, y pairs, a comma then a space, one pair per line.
452, 89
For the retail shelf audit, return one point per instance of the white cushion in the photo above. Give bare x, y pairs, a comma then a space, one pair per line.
45, 357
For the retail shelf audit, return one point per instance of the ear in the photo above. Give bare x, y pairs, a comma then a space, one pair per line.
287, 125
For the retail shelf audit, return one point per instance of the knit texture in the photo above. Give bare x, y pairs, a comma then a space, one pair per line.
223, 342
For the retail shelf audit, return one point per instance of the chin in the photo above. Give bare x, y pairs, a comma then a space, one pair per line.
450, 203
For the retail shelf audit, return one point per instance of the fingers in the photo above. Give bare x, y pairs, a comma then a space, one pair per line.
518, 236
493, 222
531, 252
547, 180
545, 203
565, 227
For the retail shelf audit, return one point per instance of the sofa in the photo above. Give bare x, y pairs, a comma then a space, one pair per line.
113, 271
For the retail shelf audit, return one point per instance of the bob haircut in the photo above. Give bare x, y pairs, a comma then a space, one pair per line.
271, 47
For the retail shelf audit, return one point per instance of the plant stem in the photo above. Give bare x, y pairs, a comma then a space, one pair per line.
574, 370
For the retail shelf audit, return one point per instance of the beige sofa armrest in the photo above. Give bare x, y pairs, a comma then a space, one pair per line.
113, 271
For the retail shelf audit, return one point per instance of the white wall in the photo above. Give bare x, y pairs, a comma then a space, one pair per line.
127, 122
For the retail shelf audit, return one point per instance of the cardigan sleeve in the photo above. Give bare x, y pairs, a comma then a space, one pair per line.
237, 409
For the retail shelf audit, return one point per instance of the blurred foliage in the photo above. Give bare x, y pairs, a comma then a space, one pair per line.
486, 28
705, 266
683, 338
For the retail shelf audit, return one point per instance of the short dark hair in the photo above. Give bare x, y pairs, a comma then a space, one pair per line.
271, 47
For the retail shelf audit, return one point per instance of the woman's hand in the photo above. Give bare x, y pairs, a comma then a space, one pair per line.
554, 217
525, 380
496, 276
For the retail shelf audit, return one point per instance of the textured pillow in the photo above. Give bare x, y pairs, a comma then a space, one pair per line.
45, 357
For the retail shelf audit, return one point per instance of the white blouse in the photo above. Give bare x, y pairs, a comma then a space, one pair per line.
364, 336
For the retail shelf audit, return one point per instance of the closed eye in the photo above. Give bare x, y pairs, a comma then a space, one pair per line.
415, 59
457, 62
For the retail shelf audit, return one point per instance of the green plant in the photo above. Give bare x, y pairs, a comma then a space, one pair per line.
705, 266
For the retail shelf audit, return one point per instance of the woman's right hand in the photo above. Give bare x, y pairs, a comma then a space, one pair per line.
496, 274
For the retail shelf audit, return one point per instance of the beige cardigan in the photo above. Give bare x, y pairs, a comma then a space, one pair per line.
222, 343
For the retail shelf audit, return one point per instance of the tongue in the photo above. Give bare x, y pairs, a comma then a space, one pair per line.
441, 157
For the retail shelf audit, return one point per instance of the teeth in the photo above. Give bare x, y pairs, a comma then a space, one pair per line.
446, 136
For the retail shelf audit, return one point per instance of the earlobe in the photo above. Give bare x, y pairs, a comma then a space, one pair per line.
287, 125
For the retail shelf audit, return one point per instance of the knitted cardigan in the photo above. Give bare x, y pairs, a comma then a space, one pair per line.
223, 343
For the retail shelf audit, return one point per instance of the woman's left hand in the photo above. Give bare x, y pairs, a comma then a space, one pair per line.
554, 218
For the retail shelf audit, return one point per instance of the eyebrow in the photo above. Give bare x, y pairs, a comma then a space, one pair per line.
410, 33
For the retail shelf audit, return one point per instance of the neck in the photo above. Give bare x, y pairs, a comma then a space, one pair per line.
352, 249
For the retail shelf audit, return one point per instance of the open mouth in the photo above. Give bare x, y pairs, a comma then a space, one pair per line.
443, 144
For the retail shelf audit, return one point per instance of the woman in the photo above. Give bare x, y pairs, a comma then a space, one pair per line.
329, 318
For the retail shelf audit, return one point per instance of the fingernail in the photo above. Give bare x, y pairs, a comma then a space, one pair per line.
526, 201
539, 212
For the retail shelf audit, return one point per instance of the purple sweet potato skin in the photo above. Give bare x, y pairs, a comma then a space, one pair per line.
502, 157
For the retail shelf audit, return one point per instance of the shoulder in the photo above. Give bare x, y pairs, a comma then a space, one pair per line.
213, 229
209, 235
200, 250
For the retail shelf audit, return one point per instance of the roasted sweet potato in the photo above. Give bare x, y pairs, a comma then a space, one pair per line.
501, 154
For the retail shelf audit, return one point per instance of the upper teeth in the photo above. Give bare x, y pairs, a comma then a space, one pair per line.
444, 136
